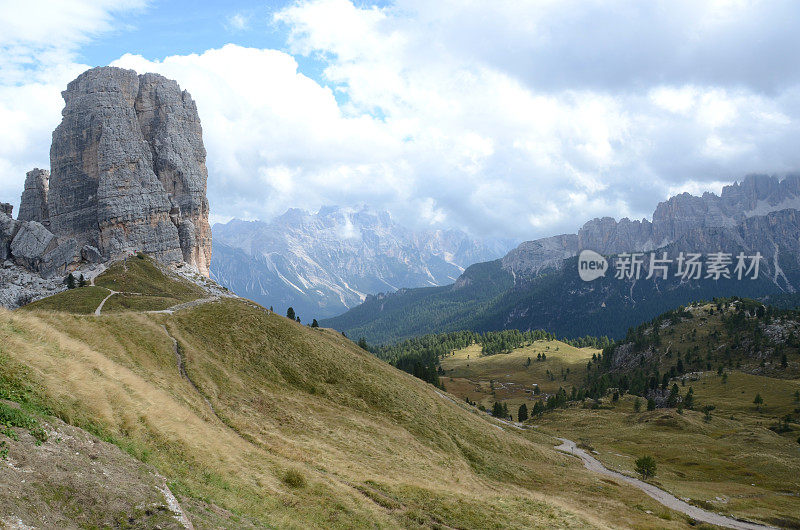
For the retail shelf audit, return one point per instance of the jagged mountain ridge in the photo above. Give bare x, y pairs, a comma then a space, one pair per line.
323, 263
755, 195
537, 286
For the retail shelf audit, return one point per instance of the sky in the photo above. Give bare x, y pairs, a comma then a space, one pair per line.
517, 119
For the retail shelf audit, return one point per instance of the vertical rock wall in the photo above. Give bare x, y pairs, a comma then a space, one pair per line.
33, 204
128, 168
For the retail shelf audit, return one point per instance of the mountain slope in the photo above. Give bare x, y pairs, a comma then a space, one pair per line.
323, 263
550, 294
281, 424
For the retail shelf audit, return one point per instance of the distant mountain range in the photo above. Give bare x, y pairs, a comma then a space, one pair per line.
323, 263
536, 285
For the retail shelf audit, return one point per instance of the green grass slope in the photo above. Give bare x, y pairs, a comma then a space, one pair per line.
274, 423
142, 283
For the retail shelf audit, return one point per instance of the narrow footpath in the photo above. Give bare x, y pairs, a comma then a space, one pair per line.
100, 307
182, 368
667, 499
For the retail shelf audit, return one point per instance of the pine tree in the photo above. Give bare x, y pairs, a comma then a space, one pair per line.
70, 281
362, 342
290, 313
497, 409
82, 281
758, 401
646, 467
688, 401
523, 413
674, 396
651, 404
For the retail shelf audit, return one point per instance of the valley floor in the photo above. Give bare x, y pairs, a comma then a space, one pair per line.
732, 464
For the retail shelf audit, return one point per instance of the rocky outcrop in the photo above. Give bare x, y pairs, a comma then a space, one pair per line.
128, 175
128, 168
31, 243
33, 204
8, 229
531, 257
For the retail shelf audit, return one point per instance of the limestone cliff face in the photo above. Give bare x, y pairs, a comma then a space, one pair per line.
128, 168
33, 204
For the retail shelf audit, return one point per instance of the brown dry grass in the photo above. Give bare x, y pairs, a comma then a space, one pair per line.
375, 446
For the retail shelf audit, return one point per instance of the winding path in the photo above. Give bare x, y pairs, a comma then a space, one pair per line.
667, 499
100, 307
186, 305
182, 368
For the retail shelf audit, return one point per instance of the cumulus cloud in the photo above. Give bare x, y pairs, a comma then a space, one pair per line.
522, 120
528, 119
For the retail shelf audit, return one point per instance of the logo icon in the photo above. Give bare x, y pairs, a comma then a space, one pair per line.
591, 265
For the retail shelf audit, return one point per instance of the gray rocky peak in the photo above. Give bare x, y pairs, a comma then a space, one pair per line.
6, 208
757, 195
128, 168
532, 256
33, 204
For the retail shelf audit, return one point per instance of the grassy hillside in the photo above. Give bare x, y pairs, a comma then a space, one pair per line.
273, 423
89, 483
141, 282
510, 377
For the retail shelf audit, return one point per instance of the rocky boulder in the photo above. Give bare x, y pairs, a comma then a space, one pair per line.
31, 243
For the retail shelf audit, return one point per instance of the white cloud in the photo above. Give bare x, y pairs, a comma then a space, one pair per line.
583, 107
275, 138
517, 120
238, 22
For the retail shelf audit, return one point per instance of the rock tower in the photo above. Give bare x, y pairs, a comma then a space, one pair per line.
128, 169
